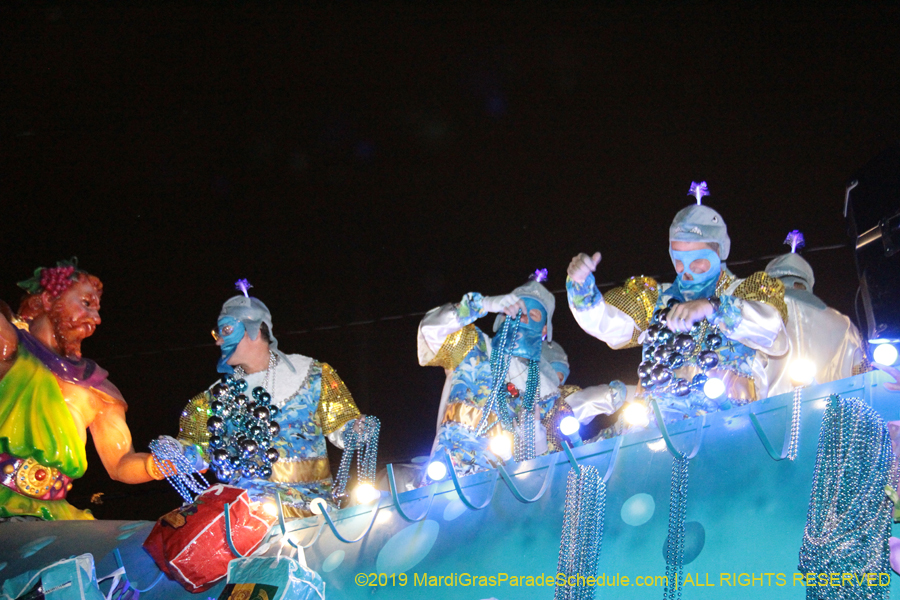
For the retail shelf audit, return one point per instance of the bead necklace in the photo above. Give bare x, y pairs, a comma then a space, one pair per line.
171, 461
500, 358
498, 401
664, 352
795, 424
524, 443
675, 539
242, 429
239, 373
849, 519
582, 532
366, 457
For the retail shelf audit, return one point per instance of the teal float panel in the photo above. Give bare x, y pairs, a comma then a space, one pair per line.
746, 515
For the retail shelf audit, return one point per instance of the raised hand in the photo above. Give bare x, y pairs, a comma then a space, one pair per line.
510, 304
582, 266
683, 316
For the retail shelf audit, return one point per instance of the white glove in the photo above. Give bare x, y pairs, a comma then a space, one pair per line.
509, 304
582, 266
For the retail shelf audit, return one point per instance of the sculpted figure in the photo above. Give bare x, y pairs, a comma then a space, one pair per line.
50, 396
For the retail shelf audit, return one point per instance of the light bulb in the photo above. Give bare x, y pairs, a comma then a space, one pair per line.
569, 425
501, 445
437, 470
366, 493
635, 413
885, 354
802, 371
713, 388
270, 508
318, 506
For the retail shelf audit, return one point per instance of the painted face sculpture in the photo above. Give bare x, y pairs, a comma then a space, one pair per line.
75, 316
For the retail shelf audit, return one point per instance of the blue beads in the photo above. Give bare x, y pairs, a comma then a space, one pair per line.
243, 431
365, 446
169, 457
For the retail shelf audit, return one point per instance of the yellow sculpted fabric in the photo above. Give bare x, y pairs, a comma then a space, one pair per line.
636, 298
455, 348
761, 287
192, 423
336, 405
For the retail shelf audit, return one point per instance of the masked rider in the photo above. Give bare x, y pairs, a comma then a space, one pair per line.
707, 324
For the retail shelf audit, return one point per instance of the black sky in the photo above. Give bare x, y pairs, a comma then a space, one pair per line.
357, 162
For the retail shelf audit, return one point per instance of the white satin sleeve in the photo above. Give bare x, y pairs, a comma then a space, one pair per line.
597, 400
336, 437
597, 317
440, 322
761, 328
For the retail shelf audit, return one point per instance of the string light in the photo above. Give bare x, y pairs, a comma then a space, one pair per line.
635, 413
437, 470
569, 425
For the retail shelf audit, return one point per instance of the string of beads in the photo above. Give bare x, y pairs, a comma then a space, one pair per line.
675, 540
849, 518
179, 472
582, 532
365, 447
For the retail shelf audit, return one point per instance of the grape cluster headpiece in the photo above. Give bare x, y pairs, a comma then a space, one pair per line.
55, 280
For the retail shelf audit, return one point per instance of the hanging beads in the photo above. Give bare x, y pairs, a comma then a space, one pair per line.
500, 358
524, 442
582, 532
795, 424
665, 352
675, 539
367, 455
849, 519
169, 457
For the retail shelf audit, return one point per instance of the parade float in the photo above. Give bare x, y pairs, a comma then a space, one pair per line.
776, 499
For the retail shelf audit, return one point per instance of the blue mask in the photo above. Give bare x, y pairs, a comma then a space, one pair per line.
704, 284
530, 335
230, 341
561, 368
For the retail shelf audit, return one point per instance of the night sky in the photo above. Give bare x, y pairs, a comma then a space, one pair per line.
364, 162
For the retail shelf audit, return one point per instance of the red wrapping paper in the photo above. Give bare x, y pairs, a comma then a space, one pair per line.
189, 545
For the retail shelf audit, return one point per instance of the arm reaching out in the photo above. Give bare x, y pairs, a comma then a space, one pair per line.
112, 438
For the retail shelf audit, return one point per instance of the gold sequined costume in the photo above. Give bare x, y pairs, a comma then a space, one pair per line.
314, 404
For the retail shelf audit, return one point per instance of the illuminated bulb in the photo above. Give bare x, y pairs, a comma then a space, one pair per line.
885, 354
366, 492
437, 470
713, 388
657, 446
802, 371
635, 413
501, 445
569, 425
270, 508
318, 506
